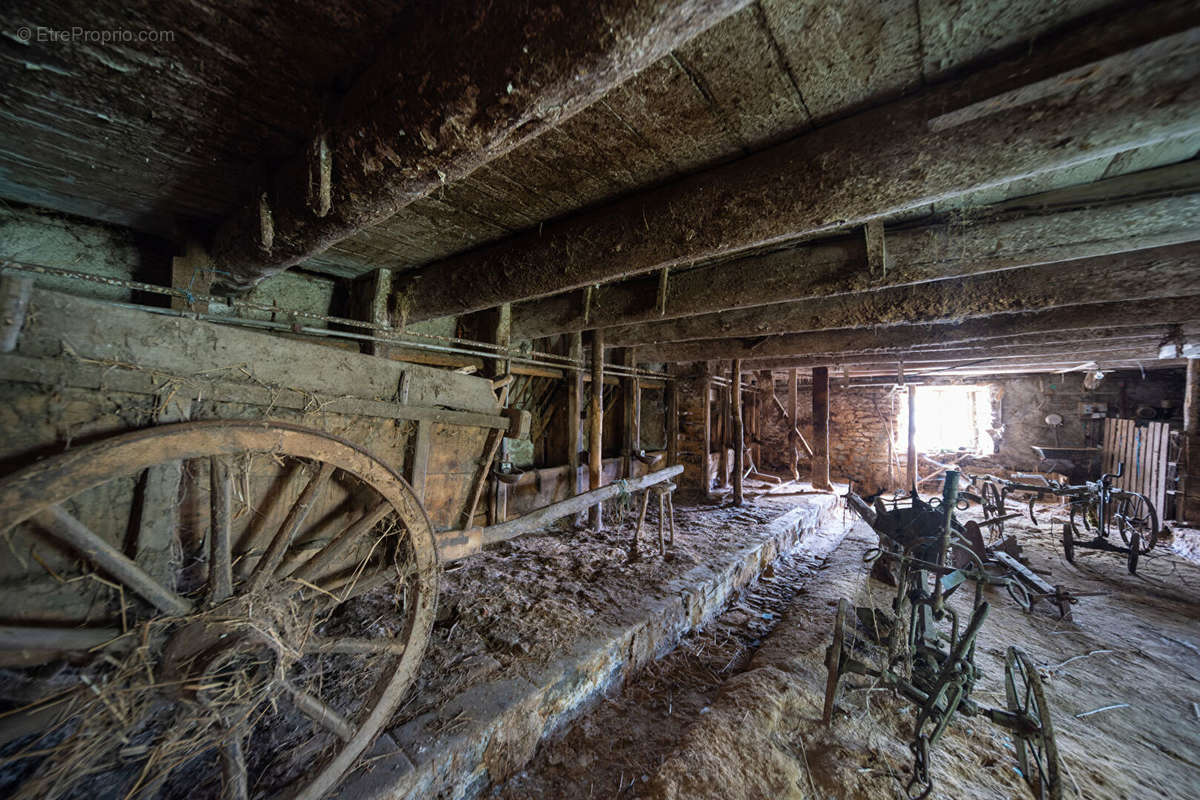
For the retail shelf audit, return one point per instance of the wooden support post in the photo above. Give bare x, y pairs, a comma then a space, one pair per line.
739, 449
912, 438
369, 296
596, 427
820, 401
632, 412
672, 423
706, 467
192, 272
1188, 499
495, 326
793, 414
726, 435
762, 410
574, 411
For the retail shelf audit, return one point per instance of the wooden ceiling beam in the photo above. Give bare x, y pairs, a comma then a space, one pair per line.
1158, 273
1042, 229
1057, 321
1136, 348
465, 83
1120, 81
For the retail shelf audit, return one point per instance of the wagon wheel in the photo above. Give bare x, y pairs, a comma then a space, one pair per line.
243, 640
834, 657
1135, 549
1037, 753
1135, 514
993, 506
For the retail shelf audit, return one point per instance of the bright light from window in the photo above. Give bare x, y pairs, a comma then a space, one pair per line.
951, 418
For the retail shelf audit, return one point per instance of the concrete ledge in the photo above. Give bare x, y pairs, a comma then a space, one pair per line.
491, 730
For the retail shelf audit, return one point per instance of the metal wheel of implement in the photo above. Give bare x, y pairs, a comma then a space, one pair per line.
833, 658
214, 609
1068, 541
1037, 753
1135, 514
1135, 549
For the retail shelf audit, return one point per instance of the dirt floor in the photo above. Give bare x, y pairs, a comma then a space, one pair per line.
735, 713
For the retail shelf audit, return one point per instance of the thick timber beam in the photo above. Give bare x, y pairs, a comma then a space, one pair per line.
1163, 272
487, 77
1039, 229
1089, 316
1144, 349
1124, 80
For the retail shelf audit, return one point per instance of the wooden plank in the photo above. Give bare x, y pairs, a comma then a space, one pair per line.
1163, 439
1130, 457
1107, 442
461, 543
1150, 460
95, 330
128, 378
420, 462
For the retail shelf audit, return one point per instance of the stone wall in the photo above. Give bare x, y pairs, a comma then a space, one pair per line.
861, 430
1024, 404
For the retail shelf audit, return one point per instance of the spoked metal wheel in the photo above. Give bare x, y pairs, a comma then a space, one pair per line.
1135, 515
993, 506
834, 657
214, 609
1037, 753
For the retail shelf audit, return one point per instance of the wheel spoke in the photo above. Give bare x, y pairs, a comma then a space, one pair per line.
221, 495
16, 637
315, 709
352, 644
330, 553
69, 529
233, 768
264, 572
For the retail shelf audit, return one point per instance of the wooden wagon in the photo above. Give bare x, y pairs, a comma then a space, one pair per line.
222, 549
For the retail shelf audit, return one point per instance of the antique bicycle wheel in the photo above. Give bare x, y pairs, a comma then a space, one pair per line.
1037, 753
284, 610
1135, 513
834, 656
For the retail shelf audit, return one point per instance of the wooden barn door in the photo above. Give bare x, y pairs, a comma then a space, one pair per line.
1143, 450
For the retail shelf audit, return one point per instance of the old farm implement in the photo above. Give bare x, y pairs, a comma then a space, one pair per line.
1096, 507
924, 650
185, 602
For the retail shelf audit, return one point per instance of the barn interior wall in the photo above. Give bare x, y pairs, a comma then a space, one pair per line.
1026, 402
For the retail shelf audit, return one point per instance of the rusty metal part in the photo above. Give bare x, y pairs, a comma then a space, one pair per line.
205, 641
925, 655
